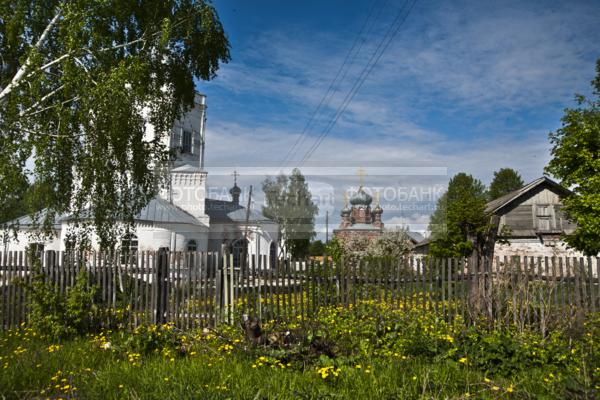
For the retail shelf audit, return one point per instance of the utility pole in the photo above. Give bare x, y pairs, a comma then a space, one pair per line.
326, 227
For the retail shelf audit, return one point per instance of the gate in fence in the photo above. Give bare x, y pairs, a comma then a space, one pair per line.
196, 289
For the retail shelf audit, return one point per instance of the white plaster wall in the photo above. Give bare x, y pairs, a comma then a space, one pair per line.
26, 237
188, 192
534, 248
152, 237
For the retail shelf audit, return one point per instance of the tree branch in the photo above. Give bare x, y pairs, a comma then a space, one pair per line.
24, 68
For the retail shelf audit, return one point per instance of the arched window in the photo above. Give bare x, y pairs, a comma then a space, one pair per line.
191, 245
129, 248
239, 249
273, 255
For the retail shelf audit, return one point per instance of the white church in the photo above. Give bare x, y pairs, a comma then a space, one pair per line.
180, 218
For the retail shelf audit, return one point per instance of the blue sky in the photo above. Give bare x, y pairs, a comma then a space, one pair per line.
464, 86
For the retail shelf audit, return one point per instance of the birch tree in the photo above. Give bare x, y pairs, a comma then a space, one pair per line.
79, 81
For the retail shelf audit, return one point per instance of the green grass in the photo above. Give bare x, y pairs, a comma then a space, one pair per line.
92, 373
378, 354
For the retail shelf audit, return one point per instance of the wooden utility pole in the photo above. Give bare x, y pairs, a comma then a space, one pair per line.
248, 213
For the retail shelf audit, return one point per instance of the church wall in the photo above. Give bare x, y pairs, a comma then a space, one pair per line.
189, 193
152, 237
192, 121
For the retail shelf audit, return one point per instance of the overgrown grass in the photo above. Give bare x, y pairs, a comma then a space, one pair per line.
373, 353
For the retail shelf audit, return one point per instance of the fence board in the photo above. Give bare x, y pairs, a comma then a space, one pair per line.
202, 289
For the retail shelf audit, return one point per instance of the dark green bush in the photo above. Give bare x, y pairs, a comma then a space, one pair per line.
60, 315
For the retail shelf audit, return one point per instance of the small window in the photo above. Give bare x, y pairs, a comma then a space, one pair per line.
192, 246
543, 217
129, 247
186, 142
273, 254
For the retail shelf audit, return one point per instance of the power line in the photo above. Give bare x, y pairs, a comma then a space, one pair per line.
333, 85
377, 54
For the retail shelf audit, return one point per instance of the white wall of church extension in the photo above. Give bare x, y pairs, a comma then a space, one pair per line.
150, 237
175, 237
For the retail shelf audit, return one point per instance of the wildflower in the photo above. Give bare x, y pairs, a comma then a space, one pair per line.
106, 345
53, 347
121, 386
463, 360
495, 388
510, 389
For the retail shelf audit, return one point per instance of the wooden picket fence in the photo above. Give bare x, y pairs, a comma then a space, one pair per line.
199, 289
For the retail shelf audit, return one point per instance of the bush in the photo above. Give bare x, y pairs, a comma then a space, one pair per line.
59, 315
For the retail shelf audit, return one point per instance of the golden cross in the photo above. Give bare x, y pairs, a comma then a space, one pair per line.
345, 199
361, 174
235, 175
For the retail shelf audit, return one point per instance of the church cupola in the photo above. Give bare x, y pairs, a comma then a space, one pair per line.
346, 213
361, 207
235, 191
361, 198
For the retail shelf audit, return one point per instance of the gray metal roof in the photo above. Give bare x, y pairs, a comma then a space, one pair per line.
157, 211
161, 211
415, 236
228, 211
26, 221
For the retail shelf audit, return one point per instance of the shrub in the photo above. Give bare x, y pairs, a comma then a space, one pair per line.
59, 315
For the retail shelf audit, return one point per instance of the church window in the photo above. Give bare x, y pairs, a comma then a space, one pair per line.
129, 247
239, 249
192, 246
186, 142
273, 254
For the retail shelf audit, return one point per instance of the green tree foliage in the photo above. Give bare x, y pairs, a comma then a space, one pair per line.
317, 248
460, 220
13, 201
289, 203
505, 181
391, 243
80, 80
576, 162
58, 315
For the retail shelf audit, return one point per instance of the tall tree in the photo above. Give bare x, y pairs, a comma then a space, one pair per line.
505, 181
460, 222
289, 203
79, 82
576, 162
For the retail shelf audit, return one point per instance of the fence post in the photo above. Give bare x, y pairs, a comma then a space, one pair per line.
162, 285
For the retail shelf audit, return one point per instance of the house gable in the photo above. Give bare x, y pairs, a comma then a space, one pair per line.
535, 209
